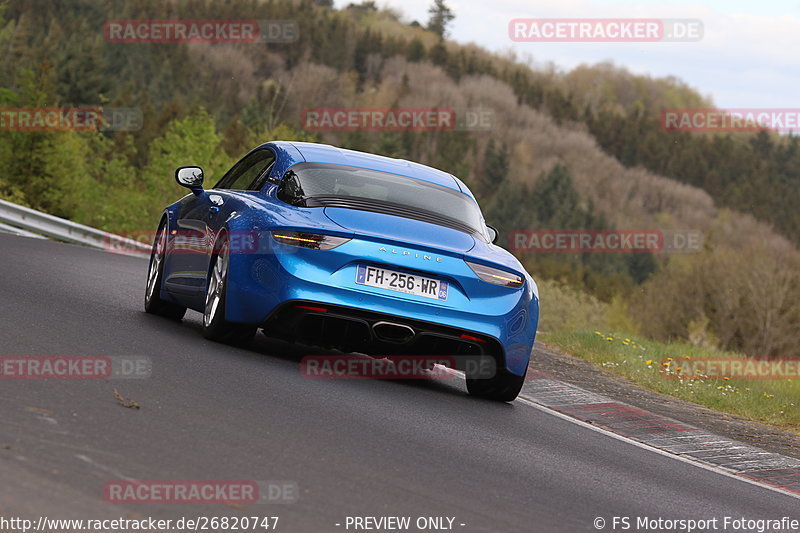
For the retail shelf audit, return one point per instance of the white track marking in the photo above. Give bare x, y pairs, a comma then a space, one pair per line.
687, 460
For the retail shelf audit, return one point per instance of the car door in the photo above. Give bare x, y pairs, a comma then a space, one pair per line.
203, 216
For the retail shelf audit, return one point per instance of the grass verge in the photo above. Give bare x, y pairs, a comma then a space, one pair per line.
673, 369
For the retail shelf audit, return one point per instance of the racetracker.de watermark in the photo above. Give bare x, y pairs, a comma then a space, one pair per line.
193, 242
353, 366
778, 368
88, 118
201, 492
566, 241
611, 30
141, 523
731, 120
396, 119
75, 367
201, 31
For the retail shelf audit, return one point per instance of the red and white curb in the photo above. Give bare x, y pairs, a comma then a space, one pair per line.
662, 433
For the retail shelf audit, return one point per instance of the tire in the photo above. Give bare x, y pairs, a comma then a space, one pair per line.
503, 386
215, 327
153, 303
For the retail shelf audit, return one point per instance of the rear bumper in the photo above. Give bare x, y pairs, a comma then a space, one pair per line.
358, 330
262, 291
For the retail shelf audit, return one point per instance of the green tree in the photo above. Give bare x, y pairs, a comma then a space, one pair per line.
192, 140
440, 16
495, 168
556, 201
390, 144
416, 50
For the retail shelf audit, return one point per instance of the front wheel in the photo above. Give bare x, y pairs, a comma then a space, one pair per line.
215, 327
503, 386
153, 303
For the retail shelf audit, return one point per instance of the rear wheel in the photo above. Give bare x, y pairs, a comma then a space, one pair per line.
503, 386
215, 327
153, 303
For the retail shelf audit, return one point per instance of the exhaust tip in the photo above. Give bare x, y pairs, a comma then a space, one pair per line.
391, 332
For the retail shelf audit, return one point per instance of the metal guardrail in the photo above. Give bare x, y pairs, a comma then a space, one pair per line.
31, 221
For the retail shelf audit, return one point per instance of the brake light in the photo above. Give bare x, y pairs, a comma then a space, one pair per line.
471, 338
310, 308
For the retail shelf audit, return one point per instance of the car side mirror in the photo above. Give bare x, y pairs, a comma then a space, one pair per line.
190, 177
493, 233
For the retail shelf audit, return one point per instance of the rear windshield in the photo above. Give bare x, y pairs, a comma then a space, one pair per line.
316, 184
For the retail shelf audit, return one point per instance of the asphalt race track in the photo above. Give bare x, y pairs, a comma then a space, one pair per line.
353, 447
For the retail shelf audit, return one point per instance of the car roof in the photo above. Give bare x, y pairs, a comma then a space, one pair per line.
325, 153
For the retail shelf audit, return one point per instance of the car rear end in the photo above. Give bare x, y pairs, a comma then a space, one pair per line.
375, 262
343, 298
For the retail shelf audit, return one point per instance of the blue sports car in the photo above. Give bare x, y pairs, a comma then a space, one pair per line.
346, 250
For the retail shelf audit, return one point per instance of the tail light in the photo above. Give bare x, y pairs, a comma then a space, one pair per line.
314, 241
496, 276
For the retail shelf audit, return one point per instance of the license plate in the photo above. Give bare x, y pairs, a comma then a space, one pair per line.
400, 282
